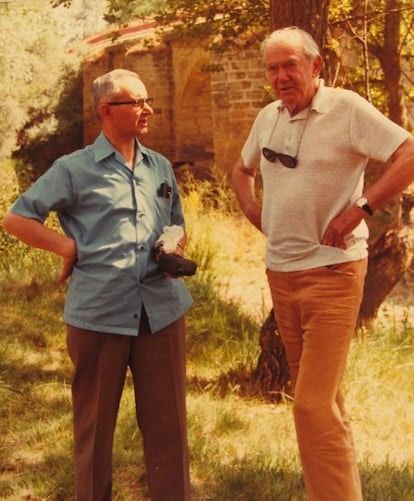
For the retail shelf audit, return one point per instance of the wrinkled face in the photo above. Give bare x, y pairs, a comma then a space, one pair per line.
291, 74
127, 113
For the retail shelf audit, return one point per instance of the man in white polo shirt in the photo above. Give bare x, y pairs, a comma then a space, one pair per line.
312, 147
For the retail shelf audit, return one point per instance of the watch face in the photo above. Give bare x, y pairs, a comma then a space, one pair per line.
362, 203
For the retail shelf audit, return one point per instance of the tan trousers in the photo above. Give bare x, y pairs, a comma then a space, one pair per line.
157, 363
316, 311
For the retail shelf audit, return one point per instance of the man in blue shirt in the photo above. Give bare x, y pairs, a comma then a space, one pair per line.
113, 199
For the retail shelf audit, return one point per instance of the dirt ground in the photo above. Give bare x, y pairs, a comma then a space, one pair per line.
241, 254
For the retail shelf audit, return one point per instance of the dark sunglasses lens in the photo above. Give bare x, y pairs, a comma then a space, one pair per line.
269, 155
272, 156
287, 161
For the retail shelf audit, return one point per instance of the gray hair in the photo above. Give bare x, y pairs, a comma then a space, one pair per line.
108, 86
294, 36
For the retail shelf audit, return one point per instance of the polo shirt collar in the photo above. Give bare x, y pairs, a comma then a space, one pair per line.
319, 103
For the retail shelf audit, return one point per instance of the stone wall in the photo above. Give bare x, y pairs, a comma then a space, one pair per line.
200, 116
238, 94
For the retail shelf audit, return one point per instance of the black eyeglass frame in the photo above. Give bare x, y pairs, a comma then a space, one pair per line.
286, 160
141, 102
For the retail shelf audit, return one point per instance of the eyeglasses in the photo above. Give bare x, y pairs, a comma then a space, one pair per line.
134, 102
286, 160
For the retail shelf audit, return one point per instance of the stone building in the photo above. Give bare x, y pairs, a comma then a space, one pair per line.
201, 117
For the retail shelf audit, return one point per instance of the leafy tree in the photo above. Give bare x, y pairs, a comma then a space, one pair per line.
121, 11
39, 60
216, 22
29, 70
382, 34
50, 131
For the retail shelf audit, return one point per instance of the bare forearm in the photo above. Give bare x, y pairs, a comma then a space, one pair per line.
181, 245
35, 234
244, 188
395, 179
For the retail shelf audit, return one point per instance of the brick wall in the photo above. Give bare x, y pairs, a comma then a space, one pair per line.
238, 94
200, 116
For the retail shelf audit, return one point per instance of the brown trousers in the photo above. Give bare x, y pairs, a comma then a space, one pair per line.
316, 311
157, 362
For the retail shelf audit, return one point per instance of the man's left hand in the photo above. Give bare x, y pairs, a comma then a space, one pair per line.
341, 226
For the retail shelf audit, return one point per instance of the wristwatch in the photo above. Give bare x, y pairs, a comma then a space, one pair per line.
362, 203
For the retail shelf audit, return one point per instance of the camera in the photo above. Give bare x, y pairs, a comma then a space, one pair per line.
176, 265
164, 249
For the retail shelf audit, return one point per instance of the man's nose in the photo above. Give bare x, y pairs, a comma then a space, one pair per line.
147, 109
283, 74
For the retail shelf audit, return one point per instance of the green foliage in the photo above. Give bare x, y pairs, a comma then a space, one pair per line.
17, 261
374, 32
218, 24
32, 62
42, 88
10, 249
50, 132
121, 12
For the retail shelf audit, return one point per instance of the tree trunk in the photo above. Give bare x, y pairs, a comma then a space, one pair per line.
310, 15
271, 376
389, 56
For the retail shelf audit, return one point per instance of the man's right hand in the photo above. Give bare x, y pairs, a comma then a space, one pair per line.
69, 261
244, 186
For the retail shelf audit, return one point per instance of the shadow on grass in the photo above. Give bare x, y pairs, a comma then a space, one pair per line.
250, 481
243, 481
387, 482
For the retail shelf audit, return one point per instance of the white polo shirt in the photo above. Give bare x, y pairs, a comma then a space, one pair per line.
332, 140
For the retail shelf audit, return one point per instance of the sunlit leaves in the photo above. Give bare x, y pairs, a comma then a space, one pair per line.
215, 22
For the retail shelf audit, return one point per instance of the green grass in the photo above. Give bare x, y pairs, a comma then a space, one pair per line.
242, 448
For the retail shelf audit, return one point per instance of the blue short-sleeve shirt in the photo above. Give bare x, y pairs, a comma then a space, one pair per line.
115, 215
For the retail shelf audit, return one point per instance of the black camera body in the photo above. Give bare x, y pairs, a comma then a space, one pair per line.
176, 265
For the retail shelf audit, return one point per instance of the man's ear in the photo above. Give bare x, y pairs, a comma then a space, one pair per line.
105, 110
317, 66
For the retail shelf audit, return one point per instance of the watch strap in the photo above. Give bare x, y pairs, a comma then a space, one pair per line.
362, 203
